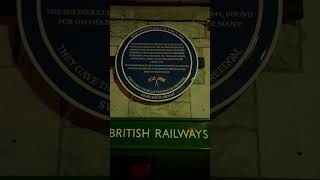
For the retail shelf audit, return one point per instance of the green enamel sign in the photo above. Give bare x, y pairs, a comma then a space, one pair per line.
168, 134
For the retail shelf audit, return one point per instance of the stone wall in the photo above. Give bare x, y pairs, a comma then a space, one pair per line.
195, 102
38, 135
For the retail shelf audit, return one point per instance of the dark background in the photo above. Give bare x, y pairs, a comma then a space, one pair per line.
271, 131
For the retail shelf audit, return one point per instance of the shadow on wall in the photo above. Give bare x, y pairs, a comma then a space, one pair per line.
68, 113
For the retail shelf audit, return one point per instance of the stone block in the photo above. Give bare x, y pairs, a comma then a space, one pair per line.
193, 30
288, 125
30, 125
173, 109
6, 58
200, 101
160, 13
84, 153
240, 114
119, 101
288, 54
234, 153
122, 29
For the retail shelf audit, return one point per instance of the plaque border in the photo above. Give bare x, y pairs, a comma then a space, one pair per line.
54, 55
260, 68
190, 72
247, 52
45, 75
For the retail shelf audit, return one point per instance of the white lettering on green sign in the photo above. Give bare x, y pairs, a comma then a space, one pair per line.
160, 133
